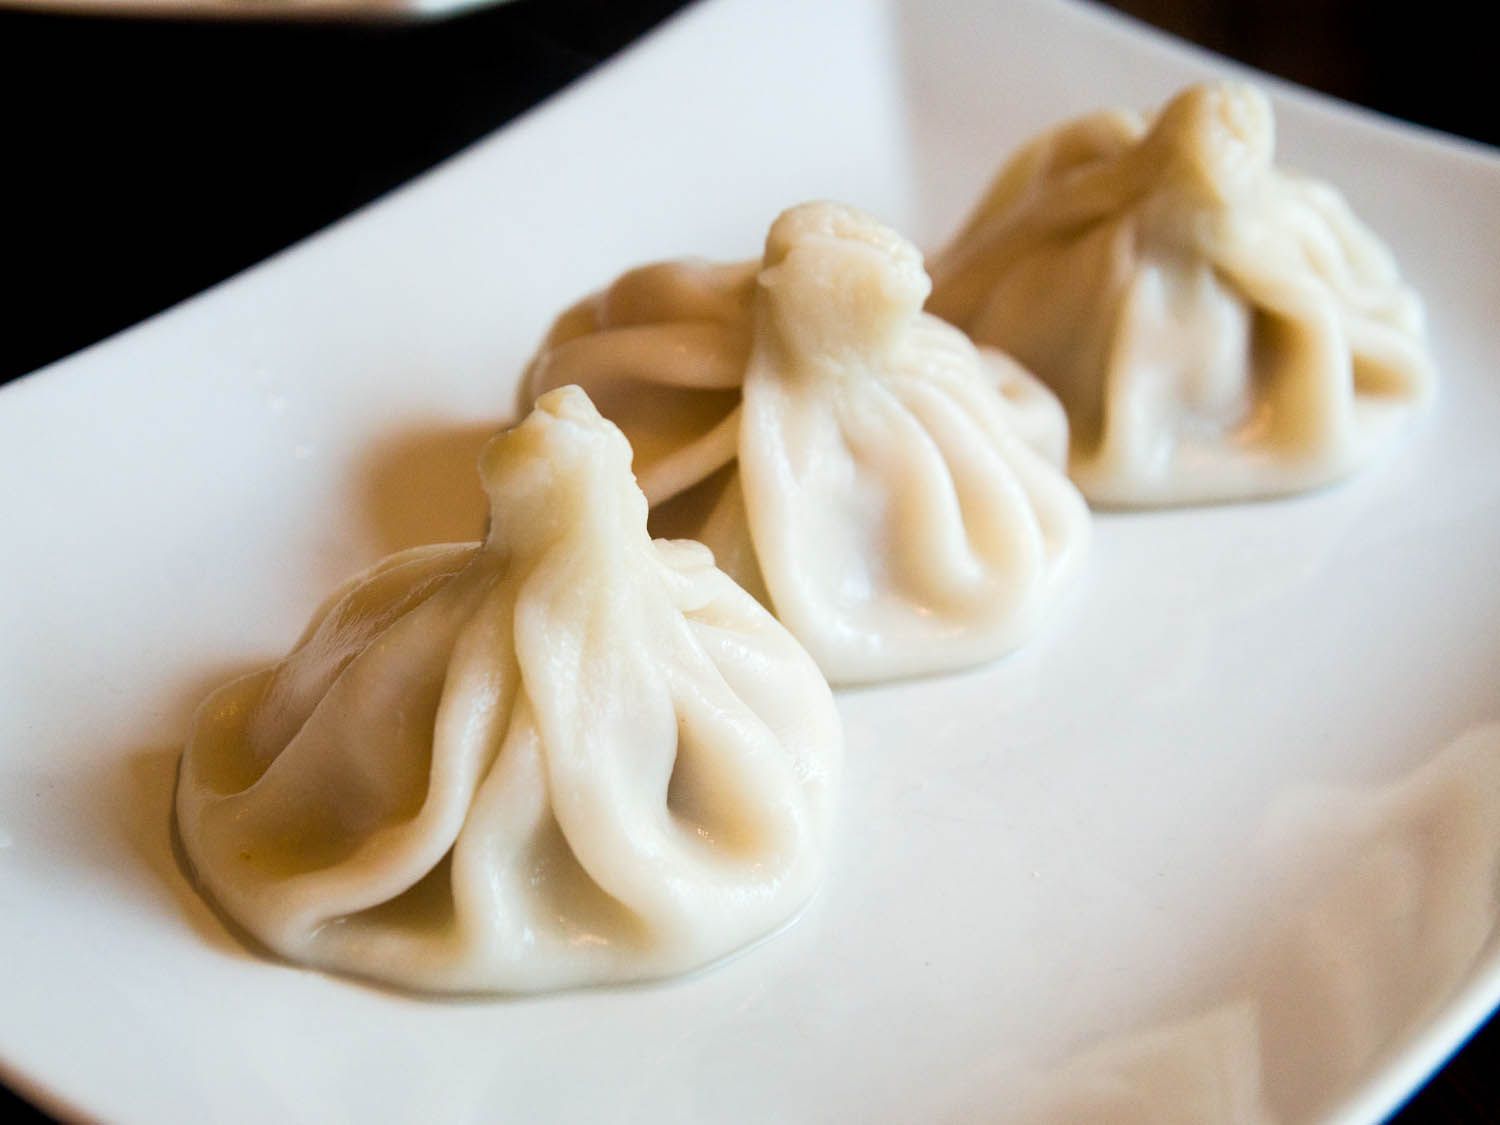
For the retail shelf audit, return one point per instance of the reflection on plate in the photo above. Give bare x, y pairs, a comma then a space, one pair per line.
1401, 905
1068, 873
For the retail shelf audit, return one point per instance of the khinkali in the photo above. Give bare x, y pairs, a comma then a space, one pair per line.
891, 491
1217, 327
564, 756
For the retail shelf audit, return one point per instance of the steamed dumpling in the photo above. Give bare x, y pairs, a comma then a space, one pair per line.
892, 492
564, 756
1216, 327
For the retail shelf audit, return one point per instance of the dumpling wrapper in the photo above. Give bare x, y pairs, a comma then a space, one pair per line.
1216, 327
565, 756
891, 491
662, 354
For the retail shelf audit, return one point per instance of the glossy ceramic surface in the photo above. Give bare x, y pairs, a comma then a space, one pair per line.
1221, 843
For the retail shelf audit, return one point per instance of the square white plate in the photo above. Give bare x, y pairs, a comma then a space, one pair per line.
1198, 851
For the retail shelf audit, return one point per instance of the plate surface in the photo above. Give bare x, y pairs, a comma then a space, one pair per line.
1223, 843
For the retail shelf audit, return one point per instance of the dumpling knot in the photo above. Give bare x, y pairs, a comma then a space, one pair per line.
839, 282
563, 461
1215, 138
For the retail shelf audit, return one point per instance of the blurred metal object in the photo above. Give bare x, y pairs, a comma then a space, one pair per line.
372, 11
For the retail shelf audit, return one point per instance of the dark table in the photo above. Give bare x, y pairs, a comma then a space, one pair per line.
146, 160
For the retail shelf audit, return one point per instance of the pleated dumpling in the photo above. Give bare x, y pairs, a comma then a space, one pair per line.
891, 491
564, 756
1216, 327
662, 354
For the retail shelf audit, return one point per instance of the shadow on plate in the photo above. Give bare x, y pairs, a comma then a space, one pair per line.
130, 795
421, 485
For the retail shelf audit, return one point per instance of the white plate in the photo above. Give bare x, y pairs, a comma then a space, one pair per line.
1197, 849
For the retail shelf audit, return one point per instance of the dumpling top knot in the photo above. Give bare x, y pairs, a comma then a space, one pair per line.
839, 283
1215, 139
564, 469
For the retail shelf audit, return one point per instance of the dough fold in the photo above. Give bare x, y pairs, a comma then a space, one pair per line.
891, 491
564, 756
1216, 327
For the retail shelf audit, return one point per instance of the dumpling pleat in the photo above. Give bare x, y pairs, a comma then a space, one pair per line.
565, 756
1123, 258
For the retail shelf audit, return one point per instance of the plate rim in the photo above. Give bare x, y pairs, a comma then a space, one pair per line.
1428, 1044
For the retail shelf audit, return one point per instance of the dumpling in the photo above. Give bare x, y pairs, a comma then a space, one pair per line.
564, 756
1216, 327
891, 491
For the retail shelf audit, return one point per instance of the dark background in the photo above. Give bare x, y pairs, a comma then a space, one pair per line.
145, 160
